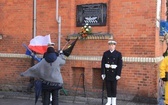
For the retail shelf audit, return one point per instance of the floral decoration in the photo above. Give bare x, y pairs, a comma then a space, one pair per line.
85, 31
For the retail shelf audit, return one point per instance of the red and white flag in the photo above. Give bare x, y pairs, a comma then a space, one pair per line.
39, 43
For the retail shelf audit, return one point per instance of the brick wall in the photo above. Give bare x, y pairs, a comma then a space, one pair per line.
131, 22
10, 69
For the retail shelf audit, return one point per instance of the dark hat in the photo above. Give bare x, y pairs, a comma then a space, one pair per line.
112, 42
50, 50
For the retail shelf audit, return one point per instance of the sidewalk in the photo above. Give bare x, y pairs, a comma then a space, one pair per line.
22, 98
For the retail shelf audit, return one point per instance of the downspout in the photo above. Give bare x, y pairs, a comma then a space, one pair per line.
109, 14
31, 80
34, 18
58, 19
34, 25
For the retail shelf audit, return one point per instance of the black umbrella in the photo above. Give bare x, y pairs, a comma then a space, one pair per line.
68, 51
38, 88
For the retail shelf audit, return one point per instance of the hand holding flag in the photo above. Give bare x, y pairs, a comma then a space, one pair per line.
30, 53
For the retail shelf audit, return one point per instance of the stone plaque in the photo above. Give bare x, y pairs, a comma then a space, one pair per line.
93, 14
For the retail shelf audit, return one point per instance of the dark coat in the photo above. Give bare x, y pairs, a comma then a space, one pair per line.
111, 58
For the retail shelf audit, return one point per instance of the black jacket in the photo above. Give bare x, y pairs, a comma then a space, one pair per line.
111, 58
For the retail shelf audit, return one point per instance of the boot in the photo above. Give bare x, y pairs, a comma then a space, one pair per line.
108, 101
113, 100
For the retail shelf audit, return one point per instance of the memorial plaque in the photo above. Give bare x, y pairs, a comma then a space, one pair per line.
93, 14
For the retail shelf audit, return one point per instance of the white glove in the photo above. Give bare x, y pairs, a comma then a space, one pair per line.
113, 66
103, 76
61, 51
107, 65
118, 77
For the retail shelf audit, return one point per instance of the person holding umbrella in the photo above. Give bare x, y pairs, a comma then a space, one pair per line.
48, 73
111, 66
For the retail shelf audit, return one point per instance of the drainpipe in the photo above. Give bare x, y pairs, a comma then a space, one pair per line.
34, 18
31, 80
58, 19
34, 25
109, 13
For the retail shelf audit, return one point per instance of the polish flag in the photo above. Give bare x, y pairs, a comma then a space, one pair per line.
39, 44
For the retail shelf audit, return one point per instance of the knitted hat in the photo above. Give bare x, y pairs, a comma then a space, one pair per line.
50, 50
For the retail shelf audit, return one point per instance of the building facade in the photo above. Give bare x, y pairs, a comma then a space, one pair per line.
133, 24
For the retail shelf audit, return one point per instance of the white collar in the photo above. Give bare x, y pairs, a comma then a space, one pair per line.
111, 51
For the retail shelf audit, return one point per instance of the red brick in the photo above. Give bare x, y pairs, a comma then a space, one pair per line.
132, 24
